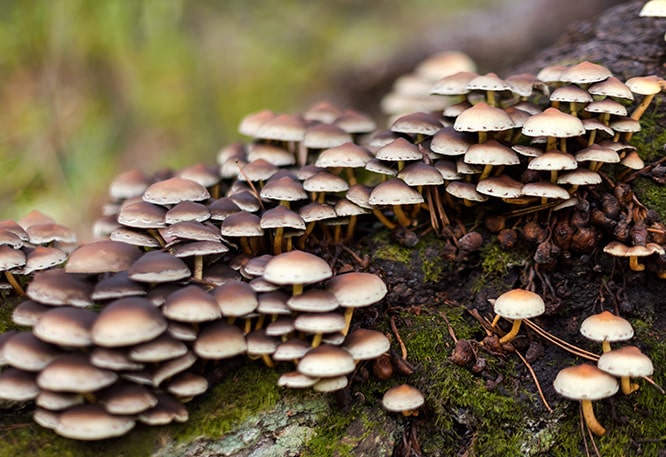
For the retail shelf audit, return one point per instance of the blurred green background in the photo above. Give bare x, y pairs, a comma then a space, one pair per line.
92, 88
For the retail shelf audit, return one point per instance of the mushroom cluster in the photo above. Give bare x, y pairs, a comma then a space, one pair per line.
208, 263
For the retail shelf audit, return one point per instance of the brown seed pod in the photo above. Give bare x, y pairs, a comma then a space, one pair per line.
507, 238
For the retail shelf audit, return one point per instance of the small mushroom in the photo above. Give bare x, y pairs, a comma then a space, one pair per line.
517, 304
626, 362
403, 398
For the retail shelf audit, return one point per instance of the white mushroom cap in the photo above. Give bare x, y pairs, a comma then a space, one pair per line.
402, 398
626, 361
326, 361
606, 326
357, 289
585, 382
365, 344
519, 304
296, 267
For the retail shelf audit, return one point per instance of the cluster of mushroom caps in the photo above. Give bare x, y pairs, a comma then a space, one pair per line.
121, 335
584, 382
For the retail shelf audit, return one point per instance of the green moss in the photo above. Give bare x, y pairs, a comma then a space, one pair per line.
388, 249
650, 140
249, 390
426, 254
496, 262
651, 194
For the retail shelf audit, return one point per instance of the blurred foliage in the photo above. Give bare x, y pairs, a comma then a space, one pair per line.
91, 88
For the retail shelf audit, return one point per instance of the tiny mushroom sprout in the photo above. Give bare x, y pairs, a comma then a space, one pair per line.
606, 327
403, 398
517, 304
626, 362
586, 383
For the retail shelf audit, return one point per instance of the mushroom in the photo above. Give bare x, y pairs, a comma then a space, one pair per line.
586, 383
626, 362
517, 304
607, 328
403, 398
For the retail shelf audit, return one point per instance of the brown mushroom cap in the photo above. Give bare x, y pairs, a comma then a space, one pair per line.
220, 340
158, 266
73, 372
91, 422
326, 361
191, 304
128, 321
66, 326
102, 257
357, 289
296, 267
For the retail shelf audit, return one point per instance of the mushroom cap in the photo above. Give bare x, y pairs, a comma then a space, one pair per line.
553, 122
348, 155
606, 326
25, 352
331, 384
167, 410
491, 152
399, 149
585, 382
402, 398
128, 321
655, 8
626, 361
519, 304
127, 398
394, 191
92, 422
191, 304
645, 85
158, 266
297, 267
102, 257
18, 385
544, 189
365, 344
296, 380
321, 136
175, 190
326, 361
220, 340
357, 289
417, 123
66, 326
501, 186
73, 372
320, 323
584, 73
313, 301
483, 118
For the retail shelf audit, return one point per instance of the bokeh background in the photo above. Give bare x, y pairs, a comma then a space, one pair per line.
92, 88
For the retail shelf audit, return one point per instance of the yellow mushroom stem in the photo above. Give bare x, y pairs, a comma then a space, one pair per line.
401, 216
15, 284
410, 412
380, 216
198, 267
634, 265
349, 312
496, 320
605, 346
627, 386
591, 421
514, 331
642, 106
267, 360
316, 339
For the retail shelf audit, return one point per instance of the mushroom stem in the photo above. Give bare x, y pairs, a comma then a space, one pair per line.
349, 313
267, 360
14, 283
277, 241
401, 216
634, 265
514, 331
605, 346
642, 106
380, 216
198, 267
496, 320
591, 421
627, 386
316, 340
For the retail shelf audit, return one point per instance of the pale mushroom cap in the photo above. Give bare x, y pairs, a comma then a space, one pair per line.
331, 384
555, 123
544, 189
570, 94
187, 385
326, 361
92, 422
346, 155
444, 63
519, 304
158, 266
580, 176
321, 136
357, 289
127, 398
448, 141
18, 385
491, 152
167, 410
417, 123
102, 257
66, 326
483, 118
320, 323
25, 352
626, 361
584, 73
606, 326
399, 149
611, 87
421, 174
616, 248
296, 380
220, 340
191, 304
500, 186
164, 347
365, 344
597, 153
645, 85
128, 321
394, 191
585, 382
655, 8
455, 84
465, 190
313, 301
73, 372
251, 123
57, 287
296, 267
175, 190
402, 398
